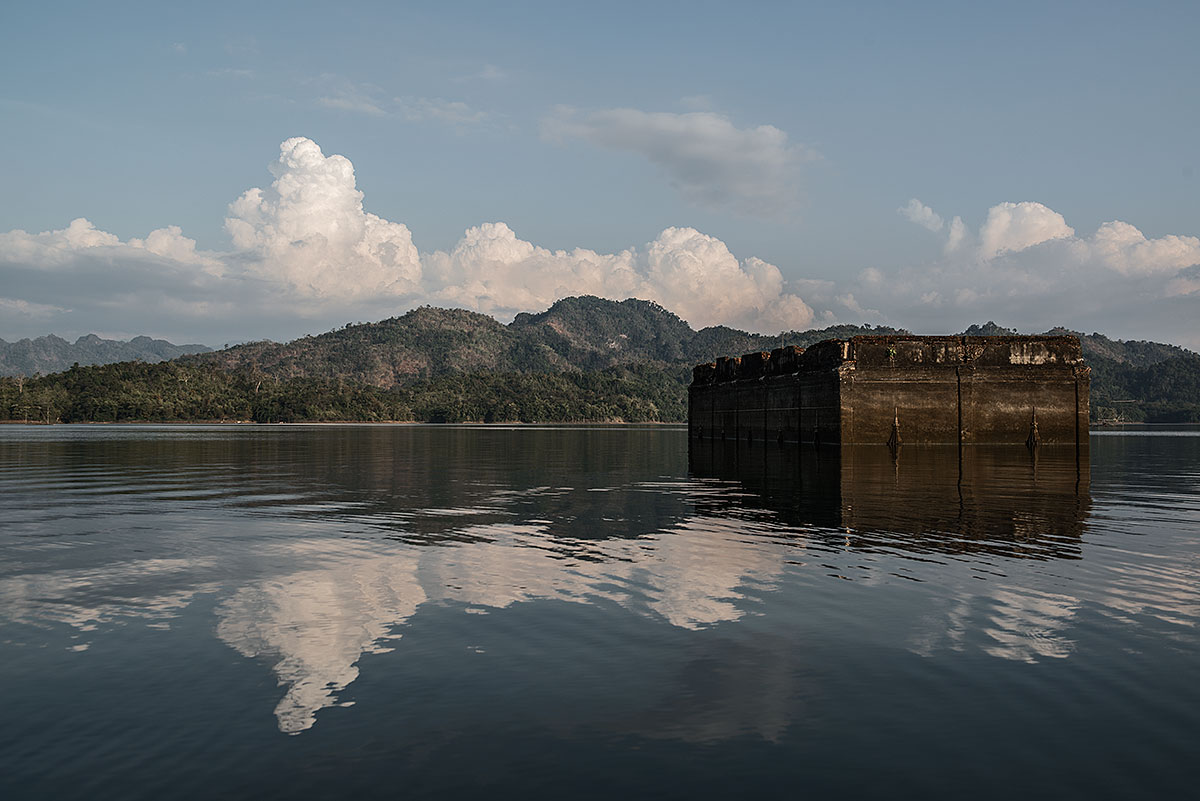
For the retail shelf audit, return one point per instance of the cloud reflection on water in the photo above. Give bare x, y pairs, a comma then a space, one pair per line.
86, 599
316, 623
317, 546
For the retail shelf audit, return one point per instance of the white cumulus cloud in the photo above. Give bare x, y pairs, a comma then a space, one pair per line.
308, 230
917, 212
62, 247
957, 236
704, 155
1017, 226
1125, 249
1028, 268
695, 275
306, 253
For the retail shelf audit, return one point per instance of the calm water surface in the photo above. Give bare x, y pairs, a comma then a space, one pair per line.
439, 612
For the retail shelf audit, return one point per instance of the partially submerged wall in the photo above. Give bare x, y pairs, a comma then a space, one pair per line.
876, 389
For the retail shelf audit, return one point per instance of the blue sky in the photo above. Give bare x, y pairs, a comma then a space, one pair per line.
749, 164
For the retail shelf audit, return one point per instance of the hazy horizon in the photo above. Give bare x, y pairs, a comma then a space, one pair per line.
126, 338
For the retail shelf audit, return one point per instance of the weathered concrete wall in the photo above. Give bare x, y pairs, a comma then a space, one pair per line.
958, 390
788, 395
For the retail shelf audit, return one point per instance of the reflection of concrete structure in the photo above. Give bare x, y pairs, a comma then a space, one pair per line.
932, 498
879, 389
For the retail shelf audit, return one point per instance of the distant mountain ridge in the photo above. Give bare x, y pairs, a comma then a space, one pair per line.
576, 333
52, 354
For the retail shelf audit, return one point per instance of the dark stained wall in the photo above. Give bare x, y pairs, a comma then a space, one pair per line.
950, 390
767, 396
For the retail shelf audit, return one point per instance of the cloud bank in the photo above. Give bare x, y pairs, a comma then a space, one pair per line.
1026, 267
704, 155
306, 253
691, 273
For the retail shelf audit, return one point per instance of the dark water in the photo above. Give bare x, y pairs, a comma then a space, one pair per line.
435, 612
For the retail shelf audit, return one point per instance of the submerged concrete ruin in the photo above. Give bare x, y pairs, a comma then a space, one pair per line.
898, 389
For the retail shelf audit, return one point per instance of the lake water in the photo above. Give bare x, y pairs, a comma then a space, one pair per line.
440, 612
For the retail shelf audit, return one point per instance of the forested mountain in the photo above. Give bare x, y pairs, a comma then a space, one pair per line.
1166, 391
420, 345
50, 354
583, 359
579, 333
592, 332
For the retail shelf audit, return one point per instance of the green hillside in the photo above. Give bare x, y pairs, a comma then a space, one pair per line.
578, 333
